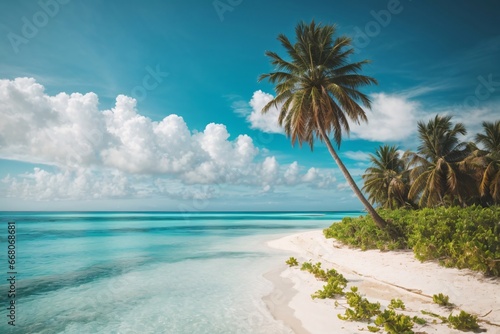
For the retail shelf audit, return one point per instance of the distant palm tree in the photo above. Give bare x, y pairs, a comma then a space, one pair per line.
317, 91
437, 176
489, 186
387, 181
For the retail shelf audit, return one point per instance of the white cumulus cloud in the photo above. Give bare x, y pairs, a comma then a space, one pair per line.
267, 122
392, 118
121, 153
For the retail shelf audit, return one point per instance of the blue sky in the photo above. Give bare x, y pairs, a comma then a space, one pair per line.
112, 105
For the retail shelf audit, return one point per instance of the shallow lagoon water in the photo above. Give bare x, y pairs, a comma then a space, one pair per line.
138, 272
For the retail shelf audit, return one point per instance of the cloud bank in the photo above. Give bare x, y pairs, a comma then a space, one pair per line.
119, 152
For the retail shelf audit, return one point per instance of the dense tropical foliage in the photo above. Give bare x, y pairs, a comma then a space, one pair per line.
454, 184
317, 91
445, 170
457, 237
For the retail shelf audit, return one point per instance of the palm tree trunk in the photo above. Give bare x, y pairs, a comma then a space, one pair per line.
379, 221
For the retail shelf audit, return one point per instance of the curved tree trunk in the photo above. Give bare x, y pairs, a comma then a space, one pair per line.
379, 221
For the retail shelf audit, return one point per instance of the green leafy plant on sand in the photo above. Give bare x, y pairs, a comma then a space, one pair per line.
361, 308
395, 323
334, 287
441, 300
320, 273
443, 319
373, 329
307, 266
419, 321
292, 262
463, 321
396, 304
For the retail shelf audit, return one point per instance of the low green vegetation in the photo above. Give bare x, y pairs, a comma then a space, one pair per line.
441, 300
457, 237
321, 274
419, 321
334, 287
395, 323
360, 308
434, 315
292, 262
463, 321
397, 304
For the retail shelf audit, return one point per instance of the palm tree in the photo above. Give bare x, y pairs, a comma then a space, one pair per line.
317, 91
489, 185
387, 180
438, 177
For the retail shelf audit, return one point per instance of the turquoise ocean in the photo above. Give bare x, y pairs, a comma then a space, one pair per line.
146, 272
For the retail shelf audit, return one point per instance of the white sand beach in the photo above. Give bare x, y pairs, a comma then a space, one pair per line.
380, 276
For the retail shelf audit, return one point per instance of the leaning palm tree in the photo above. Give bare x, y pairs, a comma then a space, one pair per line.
317, 91
387, 180
489, 186
437, 176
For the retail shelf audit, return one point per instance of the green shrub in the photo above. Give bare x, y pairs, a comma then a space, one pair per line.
397, 304
395, 323
373, 329
321, 274
441, 300
362, 232
361, 308
292, 262
419, 321
457, 237
334, 287
443, 319
316, 270
463, 321
307, 266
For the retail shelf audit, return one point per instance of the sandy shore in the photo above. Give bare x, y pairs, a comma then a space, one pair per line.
380, 276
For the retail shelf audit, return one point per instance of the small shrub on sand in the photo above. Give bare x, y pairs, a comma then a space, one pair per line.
292, 262
361, 308
441, 300
395, 323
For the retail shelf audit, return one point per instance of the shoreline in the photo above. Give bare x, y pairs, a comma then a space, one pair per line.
380, 276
